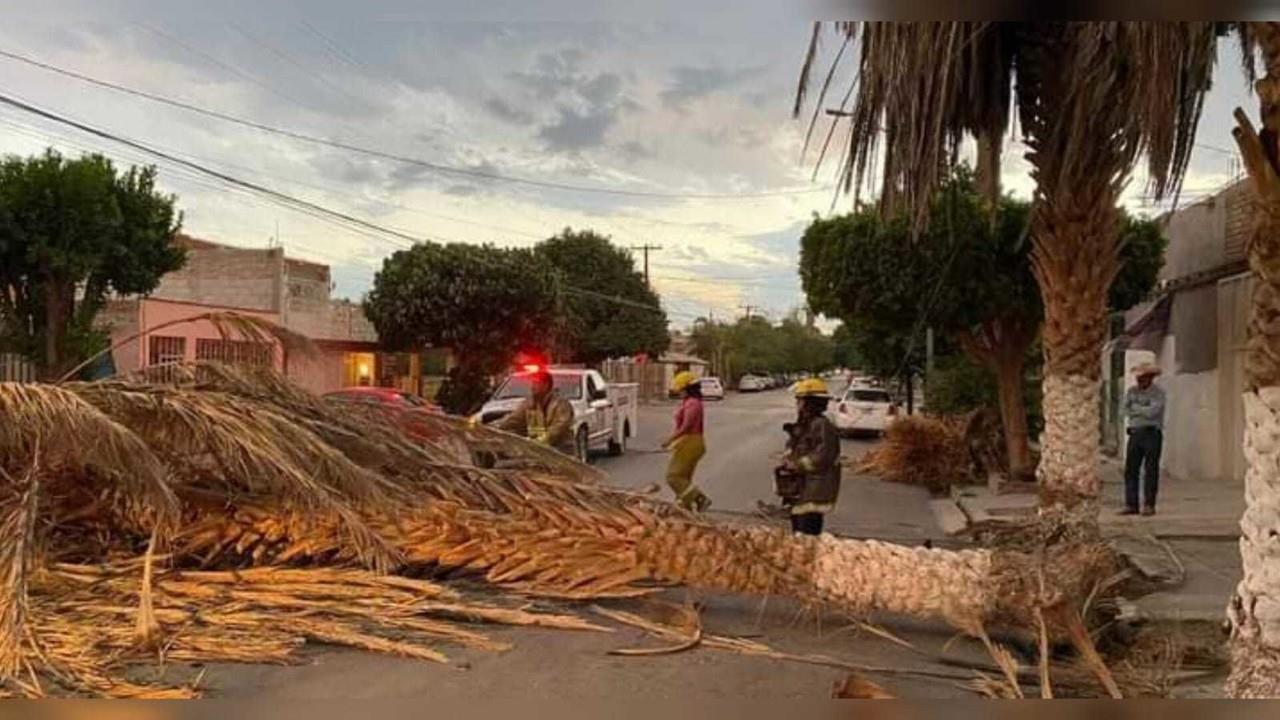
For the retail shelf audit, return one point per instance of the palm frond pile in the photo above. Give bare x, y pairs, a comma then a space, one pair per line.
226, 515
924, 450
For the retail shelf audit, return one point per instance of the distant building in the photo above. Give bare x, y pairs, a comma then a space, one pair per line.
267, 284
653, 376
1194, 329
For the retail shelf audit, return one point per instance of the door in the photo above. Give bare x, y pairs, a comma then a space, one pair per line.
599, 408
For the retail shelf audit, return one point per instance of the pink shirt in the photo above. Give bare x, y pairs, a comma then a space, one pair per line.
689, 417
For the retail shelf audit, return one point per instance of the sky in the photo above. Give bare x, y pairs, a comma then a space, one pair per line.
675, 131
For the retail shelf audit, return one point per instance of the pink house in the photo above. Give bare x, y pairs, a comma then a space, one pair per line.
262, 283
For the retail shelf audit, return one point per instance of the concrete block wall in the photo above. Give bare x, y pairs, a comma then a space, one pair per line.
229, 277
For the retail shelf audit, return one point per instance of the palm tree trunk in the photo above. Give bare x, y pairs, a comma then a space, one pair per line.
1255, 608
1075, 258
589, 544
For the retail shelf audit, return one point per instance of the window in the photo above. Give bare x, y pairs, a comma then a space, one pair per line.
877, 396
234, 352
164, 349
569, 387
594, 389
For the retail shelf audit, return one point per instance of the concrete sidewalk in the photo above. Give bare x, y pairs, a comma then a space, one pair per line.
1189, 549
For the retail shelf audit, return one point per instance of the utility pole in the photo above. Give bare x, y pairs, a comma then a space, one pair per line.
644, 250
748, 309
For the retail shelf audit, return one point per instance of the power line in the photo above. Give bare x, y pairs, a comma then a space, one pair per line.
276, 196
372, 152
206, 170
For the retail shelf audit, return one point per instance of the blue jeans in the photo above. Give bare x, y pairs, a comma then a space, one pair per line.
1143, 453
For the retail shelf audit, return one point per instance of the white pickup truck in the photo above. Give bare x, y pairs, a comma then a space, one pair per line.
604, 414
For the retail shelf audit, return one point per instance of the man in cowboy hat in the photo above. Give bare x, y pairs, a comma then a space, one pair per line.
1144, 410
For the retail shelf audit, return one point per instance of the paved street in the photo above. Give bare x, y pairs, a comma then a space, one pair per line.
744, 440
744, 435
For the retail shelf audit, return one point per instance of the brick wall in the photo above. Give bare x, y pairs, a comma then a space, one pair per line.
224, 276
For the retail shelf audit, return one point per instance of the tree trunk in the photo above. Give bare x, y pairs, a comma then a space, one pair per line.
1001, 345
1255, 608
57, 313
1075, 258
1010, 376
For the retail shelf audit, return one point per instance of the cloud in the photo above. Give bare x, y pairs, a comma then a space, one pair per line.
406, 176
575, 131
508, 112
690, 83
634, 151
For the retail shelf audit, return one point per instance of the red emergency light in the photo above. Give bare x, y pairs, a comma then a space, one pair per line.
531, 361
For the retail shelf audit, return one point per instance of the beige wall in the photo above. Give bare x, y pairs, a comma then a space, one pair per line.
244, 278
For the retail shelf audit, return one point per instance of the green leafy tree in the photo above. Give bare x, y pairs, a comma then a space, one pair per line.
609, 309
967, 274
755, 345
483, 302
71, 233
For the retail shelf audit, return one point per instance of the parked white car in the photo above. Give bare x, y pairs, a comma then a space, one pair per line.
752, 383
864, 409
604, 414
712, 388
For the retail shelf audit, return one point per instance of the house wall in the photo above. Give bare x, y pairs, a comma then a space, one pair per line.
1233, 316
262, 283
1191, 443
230, 277
1202, 356
153, 313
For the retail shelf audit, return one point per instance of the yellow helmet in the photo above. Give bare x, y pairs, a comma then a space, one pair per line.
812, 387
682, 380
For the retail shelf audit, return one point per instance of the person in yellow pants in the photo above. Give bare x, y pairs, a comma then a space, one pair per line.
687, 444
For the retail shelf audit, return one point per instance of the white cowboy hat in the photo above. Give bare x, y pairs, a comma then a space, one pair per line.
1146, 369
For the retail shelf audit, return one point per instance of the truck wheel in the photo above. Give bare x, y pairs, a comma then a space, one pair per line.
580, 446
618, 445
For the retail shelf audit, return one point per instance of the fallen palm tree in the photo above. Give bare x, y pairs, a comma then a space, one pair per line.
232, 472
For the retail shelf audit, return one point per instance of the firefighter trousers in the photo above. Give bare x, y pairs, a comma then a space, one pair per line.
685, 454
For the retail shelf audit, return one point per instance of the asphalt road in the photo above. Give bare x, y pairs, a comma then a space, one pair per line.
744, 437
744, 442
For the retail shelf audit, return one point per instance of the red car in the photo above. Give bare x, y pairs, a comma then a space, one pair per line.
386, 397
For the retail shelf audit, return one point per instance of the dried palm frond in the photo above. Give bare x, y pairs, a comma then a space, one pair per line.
1092, 97
19, 503
73, 435
927, 451
261, 615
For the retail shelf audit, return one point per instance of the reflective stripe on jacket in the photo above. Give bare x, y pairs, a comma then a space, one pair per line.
551, 423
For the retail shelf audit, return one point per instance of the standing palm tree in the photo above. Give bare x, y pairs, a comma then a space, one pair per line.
1255, 609
1092, 99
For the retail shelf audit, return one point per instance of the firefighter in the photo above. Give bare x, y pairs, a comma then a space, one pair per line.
544, 416
686, 444
813, 457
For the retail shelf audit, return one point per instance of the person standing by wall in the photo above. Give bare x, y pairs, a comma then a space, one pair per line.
686, 444
1144, 411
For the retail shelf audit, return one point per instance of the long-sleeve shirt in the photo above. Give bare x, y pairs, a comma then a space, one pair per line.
689, 417
1144, 408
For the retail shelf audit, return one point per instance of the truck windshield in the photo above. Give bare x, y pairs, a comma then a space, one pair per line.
569, 387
